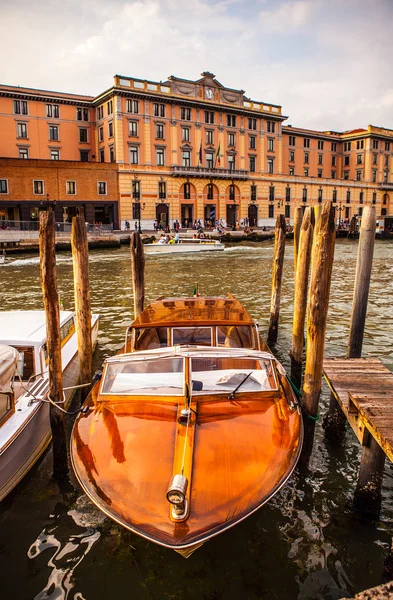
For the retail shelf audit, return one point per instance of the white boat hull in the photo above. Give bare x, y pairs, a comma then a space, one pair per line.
183, 247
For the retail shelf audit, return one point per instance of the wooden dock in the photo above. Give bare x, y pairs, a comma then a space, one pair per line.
363, 387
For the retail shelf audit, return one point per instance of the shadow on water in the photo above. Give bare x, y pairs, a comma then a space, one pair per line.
306, 544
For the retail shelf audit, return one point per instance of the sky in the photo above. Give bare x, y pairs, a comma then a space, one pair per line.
328, 63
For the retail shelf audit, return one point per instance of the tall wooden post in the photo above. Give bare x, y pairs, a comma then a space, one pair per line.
278, 263
297, 223
138, 272
300, 300
318, 302
80, 259
52, 312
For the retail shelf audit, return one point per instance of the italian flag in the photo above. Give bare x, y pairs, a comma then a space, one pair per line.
218, 161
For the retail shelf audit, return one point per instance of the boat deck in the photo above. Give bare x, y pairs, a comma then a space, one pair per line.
363, 387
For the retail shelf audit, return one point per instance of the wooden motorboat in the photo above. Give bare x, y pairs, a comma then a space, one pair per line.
185, 245
193, 426
24, 411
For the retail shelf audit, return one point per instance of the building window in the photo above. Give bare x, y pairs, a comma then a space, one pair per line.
209, 136
292, 171
70, 187
375, 144
320, 195
20, 107
110, 129
134, 155
375, 159
271, 211
82, 135
231, 139
22, 130
54, 133
209, 160
133, 106
347, 146
333, 174
82, 114
384, 201
360, 145
334, 161
334, 147
252, 164
361, 197
23, 153
209, 116
346, 175
270, 165
231, 120
386, 160
346, 160
359, 159
232, 193
347, 209
334, 196
109, 107
38, 187
320, 173
304, 197
306, 142
306, 157
292, 156
162, 190
84, 155
360, 211
253, 192
305, 171
288, 194
358, 175
111, 154
292, 140
320, 159
185, 114
374, 176
187, 191
287, 211
3, 186
271, 126
210, 195
160, 157
253, 142
186, 158
159, 110
374, 197
160, 135
320, 145
136, 189
100, 113
385, 176
252, 123
102, 154
271, 193
55, 154
101, 134
387, 146
102, 187
185, 134
231, 162
348, 196
270, 144
52, 111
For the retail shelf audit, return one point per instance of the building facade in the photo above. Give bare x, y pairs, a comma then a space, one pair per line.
183, 150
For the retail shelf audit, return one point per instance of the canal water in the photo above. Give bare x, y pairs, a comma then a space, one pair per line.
306, 544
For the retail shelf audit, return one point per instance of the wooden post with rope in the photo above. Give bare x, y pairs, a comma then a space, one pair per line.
52, 313
300, 299
318, 302
80, 259
138, 272
297, 223
278, 263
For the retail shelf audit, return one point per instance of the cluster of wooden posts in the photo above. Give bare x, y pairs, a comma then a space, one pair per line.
314, 241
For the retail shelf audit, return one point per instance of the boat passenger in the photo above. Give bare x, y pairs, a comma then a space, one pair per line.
176, 238
162, 240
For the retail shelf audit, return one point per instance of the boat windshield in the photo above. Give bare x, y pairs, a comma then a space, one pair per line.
218, 374
163, 377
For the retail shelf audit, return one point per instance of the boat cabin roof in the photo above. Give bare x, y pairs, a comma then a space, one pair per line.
198, 310
26, 327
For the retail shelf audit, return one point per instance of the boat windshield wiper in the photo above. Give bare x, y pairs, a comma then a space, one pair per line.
232, 394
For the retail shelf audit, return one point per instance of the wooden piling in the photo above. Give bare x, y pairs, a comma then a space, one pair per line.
52, 312
80, 259
138, 272
367, 496
318, 302
297, 223
300, 299
278, 263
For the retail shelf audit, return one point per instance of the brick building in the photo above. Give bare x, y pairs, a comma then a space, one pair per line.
183, 149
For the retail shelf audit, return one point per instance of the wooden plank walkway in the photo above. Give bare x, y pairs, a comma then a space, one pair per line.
363, 387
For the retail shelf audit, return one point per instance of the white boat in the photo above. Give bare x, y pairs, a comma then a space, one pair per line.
185, 245
2, 259
24, 415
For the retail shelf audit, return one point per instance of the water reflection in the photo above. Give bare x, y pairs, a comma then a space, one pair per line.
306, 543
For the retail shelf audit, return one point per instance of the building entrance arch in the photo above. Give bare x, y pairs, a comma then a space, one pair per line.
162, 215
252, 215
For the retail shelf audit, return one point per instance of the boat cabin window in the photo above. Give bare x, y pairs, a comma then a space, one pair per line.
219, 374
234, 336
162, 377
66, 332
5, 405
192, 336
26, 364
149, 338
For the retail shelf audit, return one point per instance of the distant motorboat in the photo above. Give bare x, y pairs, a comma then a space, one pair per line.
185, 245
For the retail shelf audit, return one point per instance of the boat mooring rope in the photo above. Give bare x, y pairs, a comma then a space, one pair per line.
298, 395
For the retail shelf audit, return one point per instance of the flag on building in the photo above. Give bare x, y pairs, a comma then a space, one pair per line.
218, 161
200, 155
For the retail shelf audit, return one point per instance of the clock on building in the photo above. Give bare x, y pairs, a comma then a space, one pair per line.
209, 93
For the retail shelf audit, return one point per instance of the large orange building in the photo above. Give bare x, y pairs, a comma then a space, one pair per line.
186, 150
